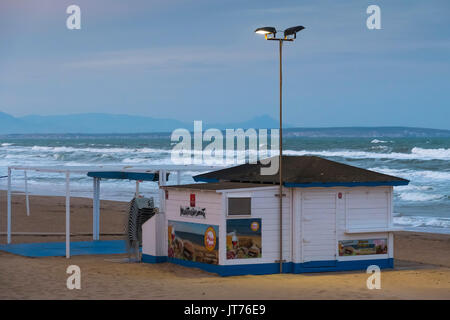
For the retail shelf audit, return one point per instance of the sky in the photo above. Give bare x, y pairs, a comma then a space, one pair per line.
201, 60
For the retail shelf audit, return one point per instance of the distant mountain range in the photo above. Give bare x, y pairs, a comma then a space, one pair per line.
101, 123
95, 123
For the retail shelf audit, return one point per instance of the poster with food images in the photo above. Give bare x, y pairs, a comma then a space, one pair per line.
244, 239
362, 247
193, 242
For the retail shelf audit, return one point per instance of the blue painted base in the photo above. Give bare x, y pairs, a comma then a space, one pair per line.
271, 268
58, 249
147, 258
317, 266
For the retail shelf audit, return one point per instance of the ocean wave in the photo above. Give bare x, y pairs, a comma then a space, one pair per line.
415, 175
420, 221
416, 153
99, 150
77, 164
136, 160
412, 187
419, 196
379, 148
440, 153
378, 141
147, 161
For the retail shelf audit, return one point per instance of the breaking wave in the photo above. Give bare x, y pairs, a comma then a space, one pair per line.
415, 175
98, 150
418, 196
378, 141
420, 221
415, 154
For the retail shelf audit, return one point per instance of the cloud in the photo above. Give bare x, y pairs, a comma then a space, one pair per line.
172, 57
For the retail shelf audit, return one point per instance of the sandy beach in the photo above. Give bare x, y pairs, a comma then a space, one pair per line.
422, 265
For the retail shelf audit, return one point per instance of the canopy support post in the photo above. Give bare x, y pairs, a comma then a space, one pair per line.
27, 200
94, 210
178, 177
67, 214
9, 207
162, 193
97, 208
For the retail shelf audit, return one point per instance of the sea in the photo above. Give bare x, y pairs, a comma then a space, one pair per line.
423, 205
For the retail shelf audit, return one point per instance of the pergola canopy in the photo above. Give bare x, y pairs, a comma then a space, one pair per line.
137, 173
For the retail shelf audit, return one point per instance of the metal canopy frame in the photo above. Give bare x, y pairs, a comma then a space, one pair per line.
122, 172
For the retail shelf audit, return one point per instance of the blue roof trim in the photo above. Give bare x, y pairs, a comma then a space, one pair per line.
141, 176
329, 184
346, 184
123, 175
196, 179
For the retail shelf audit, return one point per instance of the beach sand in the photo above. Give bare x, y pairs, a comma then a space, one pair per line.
422, 266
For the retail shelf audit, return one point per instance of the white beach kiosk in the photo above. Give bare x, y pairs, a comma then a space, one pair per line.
335, 217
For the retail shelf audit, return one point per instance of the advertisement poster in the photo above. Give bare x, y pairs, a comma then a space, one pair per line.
362, 247
193, 242
244, 238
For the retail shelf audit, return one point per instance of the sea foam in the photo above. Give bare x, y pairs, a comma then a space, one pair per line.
419, 196
378, 141
421, 221
415, 154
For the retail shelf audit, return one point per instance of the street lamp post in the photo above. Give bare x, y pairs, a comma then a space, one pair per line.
290, 34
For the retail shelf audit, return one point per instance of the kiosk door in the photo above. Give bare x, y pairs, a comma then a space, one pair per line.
318, 229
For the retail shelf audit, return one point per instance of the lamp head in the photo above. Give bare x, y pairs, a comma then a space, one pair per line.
266, 31
292, 31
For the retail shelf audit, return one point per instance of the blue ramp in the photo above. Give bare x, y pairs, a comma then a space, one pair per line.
58, 249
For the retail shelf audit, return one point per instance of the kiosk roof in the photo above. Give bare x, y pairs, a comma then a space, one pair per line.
304, 171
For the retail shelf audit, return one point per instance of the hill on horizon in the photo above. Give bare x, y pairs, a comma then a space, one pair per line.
93, 123
121, 124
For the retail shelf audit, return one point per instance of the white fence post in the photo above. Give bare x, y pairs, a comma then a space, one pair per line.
94, 210
27, 200
67, 214
9, 207
97, 208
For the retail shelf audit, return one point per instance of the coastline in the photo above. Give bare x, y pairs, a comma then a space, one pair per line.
422, 265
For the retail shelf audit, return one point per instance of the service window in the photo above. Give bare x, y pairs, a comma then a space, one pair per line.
239, 206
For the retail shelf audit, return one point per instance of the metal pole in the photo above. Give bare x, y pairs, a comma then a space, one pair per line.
94, 209
281, 160
162, 194
178, 177
67, 214
27, 200
9, 207
98, 208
